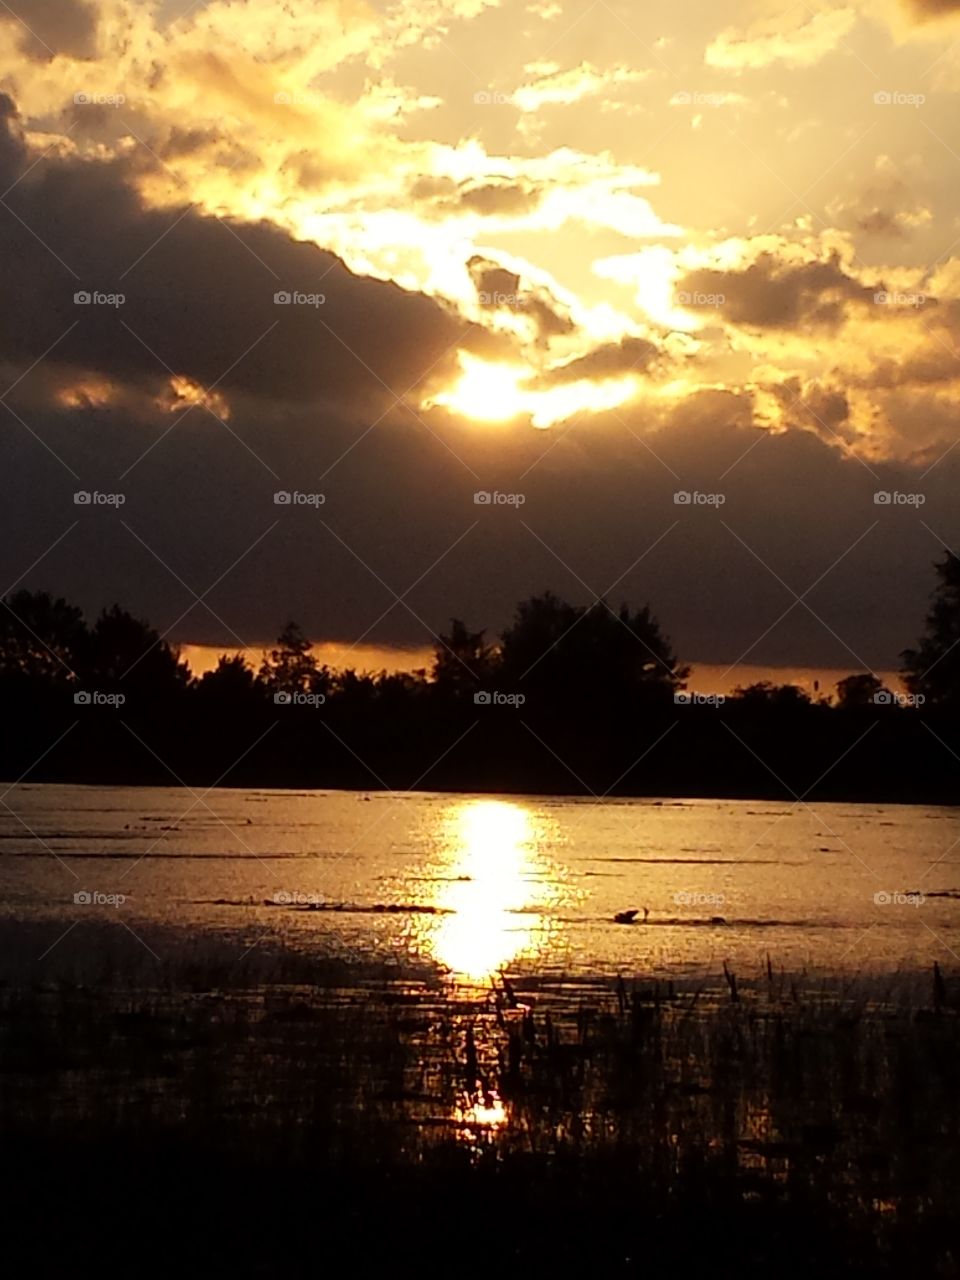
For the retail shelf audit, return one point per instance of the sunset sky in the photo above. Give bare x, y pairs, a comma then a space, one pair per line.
581, 256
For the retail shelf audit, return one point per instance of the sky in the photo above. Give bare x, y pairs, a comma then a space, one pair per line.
378, 314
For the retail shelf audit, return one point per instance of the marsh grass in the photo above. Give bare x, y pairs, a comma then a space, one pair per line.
765, 1123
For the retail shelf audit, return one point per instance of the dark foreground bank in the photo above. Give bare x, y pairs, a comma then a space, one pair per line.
213, 1122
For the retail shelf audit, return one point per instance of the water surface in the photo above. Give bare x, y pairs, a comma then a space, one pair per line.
472, 885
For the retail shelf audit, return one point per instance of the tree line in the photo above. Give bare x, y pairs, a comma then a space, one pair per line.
568, 698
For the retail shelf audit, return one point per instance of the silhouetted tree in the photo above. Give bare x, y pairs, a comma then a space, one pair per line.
576, 652
932, 669
856, 692
42, 638
291, 667
598, 714
780, 697
232, 682
128, 654
462, 660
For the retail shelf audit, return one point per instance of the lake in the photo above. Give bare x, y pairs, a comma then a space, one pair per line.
468, 886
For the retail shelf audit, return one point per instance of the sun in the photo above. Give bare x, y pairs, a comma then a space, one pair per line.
486, 392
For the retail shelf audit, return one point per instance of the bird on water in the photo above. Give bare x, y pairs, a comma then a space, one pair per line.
629, 917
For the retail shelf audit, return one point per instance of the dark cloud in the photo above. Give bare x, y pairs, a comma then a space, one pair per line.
612, 360
882, 222
209, 146
774, 294
928, 10
49, 27
443, 197
399, 508
816, 406
501, 289
888, 208
490, 199
937, 365
199, 295
490, 277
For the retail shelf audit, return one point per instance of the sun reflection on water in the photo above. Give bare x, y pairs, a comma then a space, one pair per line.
481, 1114
495, 888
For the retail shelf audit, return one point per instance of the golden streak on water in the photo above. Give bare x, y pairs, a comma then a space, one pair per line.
495, 880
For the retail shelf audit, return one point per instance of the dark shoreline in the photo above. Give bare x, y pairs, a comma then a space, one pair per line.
37, 778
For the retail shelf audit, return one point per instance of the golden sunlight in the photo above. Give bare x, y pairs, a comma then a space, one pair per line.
654, 272
496, 884
485, 392
480, 1114
488, 392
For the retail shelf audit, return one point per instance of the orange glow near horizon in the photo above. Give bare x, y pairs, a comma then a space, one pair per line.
201, 658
